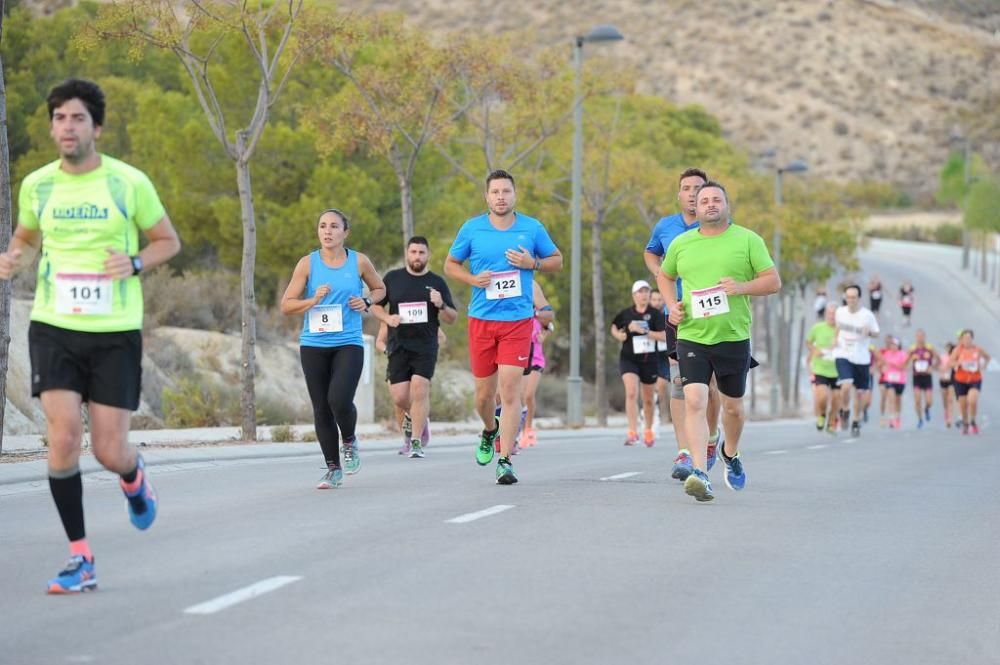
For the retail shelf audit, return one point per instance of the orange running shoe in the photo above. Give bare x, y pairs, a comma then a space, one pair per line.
649, 438
529, 438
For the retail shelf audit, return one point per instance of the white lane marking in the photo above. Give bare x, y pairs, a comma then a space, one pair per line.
479, 514
818, 446
851, 440
241, 595
775, 452
622, 476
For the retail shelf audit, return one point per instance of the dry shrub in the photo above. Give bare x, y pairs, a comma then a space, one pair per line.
205, 300
282, 433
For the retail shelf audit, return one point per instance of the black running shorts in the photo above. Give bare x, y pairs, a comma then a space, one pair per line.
404, 363
728, 361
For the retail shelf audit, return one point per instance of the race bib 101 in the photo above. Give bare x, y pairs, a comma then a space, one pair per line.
709, 302
83, 293
413, 312
326, 318
506, 284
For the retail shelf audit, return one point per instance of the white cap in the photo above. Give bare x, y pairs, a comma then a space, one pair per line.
640, 284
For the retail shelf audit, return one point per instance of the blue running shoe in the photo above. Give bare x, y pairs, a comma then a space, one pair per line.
352, 456
141, 504
332, 479
699, 486
683, 466
76, 577
736, 475
713, 449
505, 472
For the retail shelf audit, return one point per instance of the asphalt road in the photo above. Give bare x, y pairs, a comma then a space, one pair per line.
880, 549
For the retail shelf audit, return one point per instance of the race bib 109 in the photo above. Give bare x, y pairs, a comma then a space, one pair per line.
413, 312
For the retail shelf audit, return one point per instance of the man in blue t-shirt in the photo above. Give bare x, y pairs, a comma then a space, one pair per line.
504, 249
664, 233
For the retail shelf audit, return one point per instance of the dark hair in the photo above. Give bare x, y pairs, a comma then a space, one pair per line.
338, 213
853, 286
968, 330
418, 240
499, 174
693, 172
87, 92
716, 185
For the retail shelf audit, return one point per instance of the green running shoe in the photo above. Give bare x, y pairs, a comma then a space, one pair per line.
484, 453
505, 472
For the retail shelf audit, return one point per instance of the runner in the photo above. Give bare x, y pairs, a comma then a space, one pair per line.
906, 301
326, 289
541, 326
884, 417
721, 265
400, 417
85, 338
946, 371
416, 299
923, 358
820, 303
665, 231
826, 397
662, 363
968, 359
639, 328
855, 325
503, 248
874, 294
892, 362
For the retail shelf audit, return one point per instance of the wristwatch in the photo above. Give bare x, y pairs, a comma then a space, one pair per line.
136, 264
368, 303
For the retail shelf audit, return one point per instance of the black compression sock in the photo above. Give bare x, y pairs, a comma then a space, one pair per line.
67, 492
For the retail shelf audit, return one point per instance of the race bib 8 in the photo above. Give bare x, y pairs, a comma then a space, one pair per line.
506, 284
326, 318
709, 302
643, 344
413, 312
83, 293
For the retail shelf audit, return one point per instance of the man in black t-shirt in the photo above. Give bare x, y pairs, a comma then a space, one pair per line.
639, 328
415, 301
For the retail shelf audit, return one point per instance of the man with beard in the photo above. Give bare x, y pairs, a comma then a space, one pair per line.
504, 248
722, 265
415, 302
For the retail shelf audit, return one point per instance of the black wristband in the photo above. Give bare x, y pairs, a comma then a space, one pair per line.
368, 303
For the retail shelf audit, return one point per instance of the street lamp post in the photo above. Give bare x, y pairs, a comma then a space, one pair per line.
574, 383
797, 166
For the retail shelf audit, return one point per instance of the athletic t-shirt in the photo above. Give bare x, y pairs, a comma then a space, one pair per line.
702, 261
821, 335
510, 295
923, 357
81, 216
639, 347
408, 295
968, 368
664, 233
852, 344
894, 365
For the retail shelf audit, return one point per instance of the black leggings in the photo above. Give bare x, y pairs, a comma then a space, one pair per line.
332, 376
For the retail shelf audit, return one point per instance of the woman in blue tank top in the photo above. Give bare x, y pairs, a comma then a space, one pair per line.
327, 289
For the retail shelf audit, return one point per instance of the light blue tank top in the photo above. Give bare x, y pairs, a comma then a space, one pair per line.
345, 283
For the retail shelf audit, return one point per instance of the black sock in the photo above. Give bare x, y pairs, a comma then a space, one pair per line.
67, 492
131, 475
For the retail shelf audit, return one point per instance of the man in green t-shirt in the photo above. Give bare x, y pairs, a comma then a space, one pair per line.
721, 265
826, 397
83, 213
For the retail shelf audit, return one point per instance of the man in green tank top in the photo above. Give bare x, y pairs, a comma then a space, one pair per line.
81, 215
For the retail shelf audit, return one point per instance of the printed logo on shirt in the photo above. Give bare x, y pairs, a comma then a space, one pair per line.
82, 211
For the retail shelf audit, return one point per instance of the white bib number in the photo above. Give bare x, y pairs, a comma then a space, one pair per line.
506, 284
326, 318
413, 312
709, 302
83, 293
643, 344
921, 366
826, 354
971, 366
661, 346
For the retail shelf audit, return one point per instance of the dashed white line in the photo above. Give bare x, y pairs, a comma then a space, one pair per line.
850, 440
479, 514
622, 476
818, 446
241, 595
775, 452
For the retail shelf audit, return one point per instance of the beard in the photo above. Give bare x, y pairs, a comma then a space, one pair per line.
417, 266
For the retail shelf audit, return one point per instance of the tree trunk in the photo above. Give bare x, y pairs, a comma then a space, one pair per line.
790, 359
406, 205
798, 350
600, 341
983, 270
5, 233
248, 398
